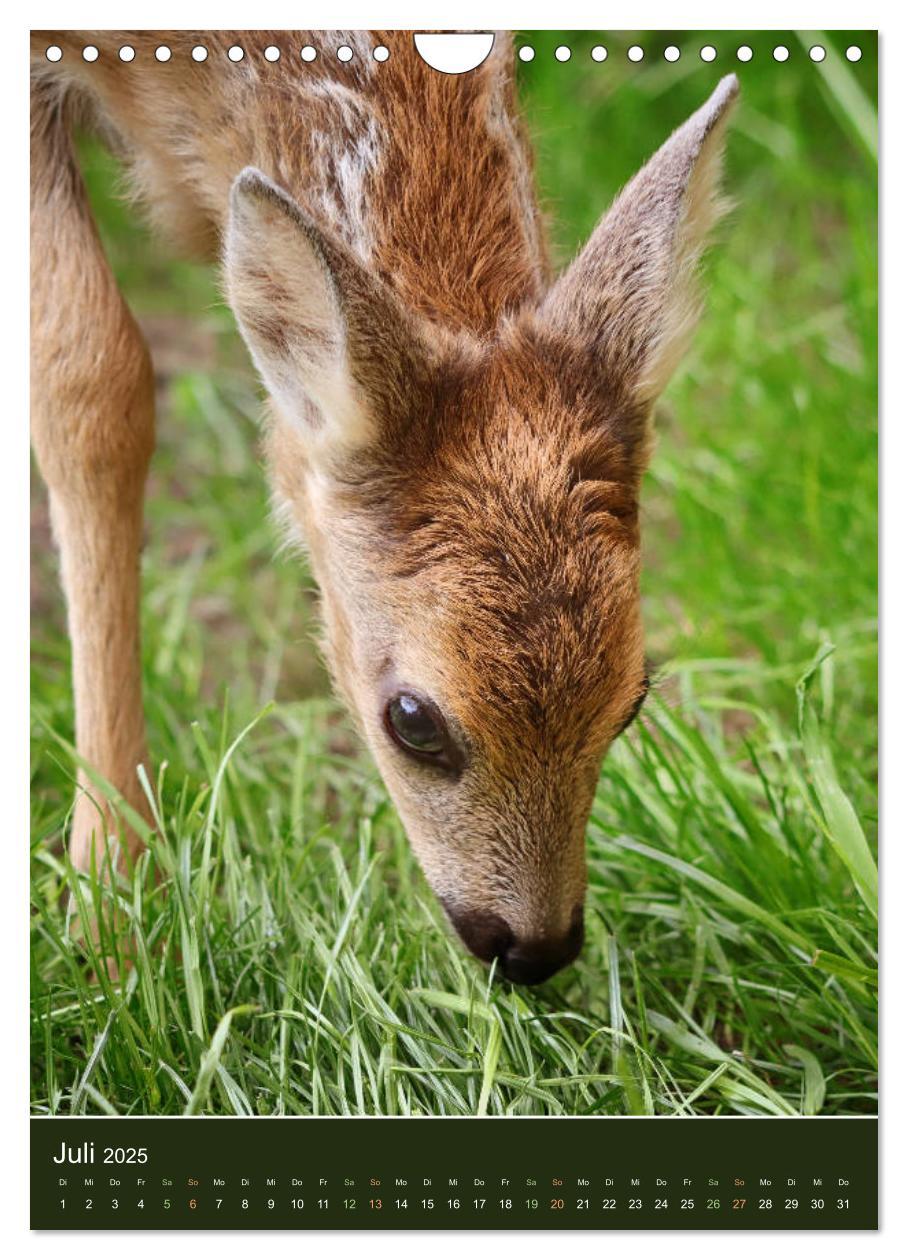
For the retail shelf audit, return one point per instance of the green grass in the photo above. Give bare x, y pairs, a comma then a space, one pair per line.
291, 958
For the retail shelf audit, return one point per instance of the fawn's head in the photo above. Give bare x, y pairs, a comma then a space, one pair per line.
470, 509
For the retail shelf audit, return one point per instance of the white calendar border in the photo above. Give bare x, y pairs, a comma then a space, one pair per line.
486, 14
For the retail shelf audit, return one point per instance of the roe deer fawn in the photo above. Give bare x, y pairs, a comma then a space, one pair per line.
458, 437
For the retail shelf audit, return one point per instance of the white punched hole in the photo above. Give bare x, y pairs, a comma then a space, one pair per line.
235, 53
635, 53
89, 53
562, 53
745, 53
599, 53
707, 53
381, 53
818, 53
308, 53
54, 53
780, 52
672, 53
345, 53
853, 53
162, 53
272, 53
526, 53
127, 53
454, 53
199, 53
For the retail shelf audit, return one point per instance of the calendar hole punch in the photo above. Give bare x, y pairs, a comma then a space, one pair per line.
454, 54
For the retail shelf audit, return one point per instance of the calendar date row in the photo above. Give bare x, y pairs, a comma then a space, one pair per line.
555, 1203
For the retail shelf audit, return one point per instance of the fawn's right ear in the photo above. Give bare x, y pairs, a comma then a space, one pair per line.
336, 351
629, 300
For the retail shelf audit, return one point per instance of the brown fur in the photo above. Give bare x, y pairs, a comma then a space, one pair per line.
458, 442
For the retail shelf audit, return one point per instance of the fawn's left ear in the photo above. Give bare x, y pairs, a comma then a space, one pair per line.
630, 297
335, 349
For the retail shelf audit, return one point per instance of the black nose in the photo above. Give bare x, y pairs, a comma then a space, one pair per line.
485, 934
531, 960
521, 959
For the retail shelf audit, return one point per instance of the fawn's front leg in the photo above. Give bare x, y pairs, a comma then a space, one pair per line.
93, 434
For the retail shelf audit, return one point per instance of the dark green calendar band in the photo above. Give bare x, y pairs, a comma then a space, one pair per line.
382, 1173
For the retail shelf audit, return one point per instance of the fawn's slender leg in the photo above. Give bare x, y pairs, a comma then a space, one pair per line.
93, 434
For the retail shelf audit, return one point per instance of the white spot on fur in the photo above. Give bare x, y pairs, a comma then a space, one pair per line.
343, 159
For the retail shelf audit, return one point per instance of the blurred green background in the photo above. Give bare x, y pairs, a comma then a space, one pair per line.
756, 767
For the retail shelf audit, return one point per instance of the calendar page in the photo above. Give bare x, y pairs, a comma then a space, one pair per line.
454, 630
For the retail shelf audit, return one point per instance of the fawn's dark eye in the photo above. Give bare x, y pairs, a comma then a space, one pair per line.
416, 726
